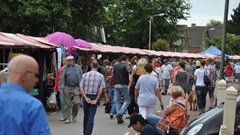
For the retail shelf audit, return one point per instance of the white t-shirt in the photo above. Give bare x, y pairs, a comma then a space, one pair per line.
199, 73
166, 69
237, 68
157, 73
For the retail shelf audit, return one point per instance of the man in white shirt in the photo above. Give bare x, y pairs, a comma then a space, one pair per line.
237, 71
166, 75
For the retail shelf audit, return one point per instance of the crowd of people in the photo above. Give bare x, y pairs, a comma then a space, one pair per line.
131, 85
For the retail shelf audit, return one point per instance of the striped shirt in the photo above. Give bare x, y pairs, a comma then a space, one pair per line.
92, 81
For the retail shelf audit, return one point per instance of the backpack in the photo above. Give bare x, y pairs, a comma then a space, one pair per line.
182, 121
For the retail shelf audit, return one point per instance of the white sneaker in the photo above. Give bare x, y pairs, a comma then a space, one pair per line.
67, 121
63, 119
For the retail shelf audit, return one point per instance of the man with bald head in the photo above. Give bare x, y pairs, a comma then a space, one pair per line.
21, 114
91, 87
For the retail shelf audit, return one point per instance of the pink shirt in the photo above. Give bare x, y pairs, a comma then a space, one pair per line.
56, 87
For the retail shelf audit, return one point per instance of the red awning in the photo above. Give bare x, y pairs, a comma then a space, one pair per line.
10, 39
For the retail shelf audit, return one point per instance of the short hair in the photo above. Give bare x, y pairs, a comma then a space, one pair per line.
94, 64
123, 57
106, 62
209, 60
202, 62
114, 62
177, 91
148, 68
155, 60
134, 118
182, 64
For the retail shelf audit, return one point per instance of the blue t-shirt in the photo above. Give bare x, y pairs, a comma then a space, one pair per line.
20, 113
147, 86
148, 130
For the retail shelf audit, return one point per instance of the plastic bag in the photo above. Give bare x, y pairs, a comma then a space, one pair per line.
52, 99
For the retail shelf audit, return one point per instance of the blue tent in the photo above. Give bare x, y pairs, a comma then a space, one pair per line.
214, 51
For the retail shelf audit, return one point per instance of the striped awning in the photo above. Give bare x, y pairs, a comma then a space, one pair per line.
20, 40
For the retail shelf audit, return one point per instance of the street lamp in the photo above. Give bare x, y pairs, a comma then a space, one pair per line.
150, 28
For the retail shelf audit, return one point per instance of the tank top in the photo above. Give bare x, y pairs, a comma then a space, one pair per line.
135, 79
181, 78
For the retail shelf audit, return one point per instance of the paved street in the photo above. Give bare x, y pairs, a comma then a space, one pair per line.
103, 124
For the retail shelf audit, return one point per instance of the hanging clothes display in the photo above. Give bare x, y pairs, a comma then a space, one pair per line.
3, 76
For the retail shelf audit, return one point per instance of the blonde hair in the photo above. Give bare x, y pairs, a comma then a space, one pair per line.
177, 91
198, 63
141, 63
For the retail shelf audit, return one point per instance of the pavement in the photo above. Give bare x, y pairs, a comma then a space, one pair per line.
103, 125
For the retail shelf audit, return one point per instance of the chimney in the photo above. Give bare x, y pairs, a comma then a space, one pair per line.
193, 25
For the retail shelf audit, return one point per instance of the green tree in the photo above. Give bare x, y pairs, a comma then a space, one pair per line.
232, 43
41, 17
214, 23
127, 21
161, 45
234, 23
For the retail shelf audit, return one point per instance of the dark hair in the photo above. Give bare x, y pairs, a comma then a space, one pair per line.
106, 62
148, 68
123, 58
134, 118
202, 62
209, 60
182, 64
114, 61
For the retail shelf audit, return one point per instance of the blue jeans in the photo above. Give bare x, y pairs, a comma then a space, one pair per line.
61, 96
153, 120
89, 114
111, 92
201, 92
190, 84
210, 91
118, 93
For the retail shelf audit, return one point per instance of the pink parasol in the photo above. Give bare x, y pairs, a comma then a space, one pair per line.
83, 44
61, 38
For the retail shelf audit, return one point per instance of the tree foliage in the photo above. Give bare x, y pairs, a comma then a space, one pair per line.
214, 23
234, 23
232, 43
127, 21
40, 17
161, 45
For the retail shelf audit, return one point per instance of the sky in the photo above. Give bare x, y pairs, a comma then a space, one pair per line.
203, 11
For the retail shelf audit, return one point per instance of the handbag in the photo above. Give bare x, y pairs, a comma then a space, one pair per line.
164, 124
206, 79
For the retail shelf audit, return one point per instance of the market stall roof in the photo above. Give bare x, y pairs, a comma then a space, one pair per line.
235, 57
96, 47
214, 51
20, 40
152, 52
210, 56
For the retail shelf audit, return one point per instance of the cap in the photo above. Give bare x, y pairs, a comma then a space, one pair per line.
134, 118
70, 57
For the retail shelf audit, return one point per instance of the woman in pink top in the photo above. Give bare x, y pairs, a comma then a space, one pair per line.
56, 88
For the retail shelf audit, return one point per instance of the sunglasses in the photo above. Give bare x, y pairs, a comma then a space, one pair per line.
35, 74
